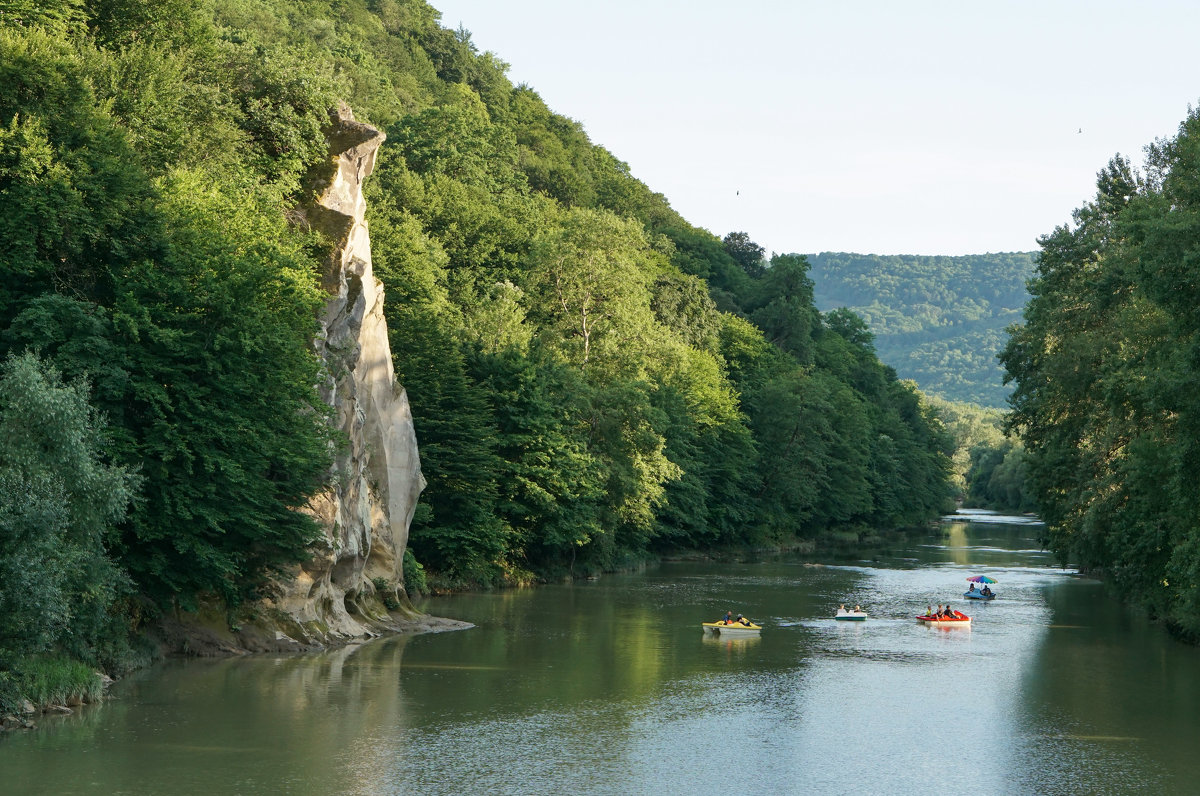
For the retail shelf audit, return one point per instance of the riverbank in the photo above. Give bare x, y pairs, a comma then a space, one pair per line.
47, 685
210, 633
847, 543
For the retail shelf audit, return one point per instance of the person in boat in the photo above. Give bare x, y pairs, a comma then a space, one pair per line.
743, 620
928, 610
729, 617
858, 609
972, 587
986, 591
939, 612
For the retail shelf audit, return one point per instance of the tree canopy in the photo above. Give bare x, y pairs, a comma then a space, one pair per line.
1104, 366
937, 320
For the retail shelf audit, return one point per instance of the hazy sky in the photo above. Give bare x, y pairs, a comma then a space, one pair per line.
886, 127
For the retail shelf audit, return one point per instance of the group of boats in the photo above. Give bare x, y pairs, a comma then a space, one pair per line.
979, 589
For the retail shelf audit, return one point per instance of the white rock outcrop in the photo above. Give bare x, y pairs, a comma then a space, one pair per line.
376, 479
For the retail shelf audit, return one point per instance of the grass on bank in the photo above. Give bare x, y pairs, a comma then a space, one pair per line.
47, 680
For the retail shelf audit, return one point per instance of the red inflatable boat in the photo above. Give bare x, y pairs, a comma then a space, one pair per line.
959, 619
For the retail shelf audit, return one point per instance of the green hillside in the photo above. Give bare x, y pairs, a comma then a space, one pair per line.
937, 320
593, 380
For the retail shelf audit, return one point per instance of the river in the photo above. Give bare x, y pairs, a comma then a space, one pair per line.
610, 687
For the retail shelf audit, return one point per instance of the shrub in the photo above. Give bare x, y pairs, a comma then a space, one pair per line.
414, 575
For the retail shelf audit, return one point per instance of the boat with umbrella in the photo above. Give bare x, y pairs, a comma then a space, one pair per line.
983, 592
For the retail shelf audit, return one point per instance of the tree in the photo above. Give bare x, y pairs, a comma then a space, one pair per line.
784, 308
550, 485
458, 532
54, 16
746, 253
792, 418
222, 406
60, 502
1105, 399
850, 327
591, 272
699, 253
682, 304
72, 199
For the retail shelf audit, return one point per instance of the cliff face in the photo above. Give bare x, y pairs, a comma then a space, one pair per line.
376, 479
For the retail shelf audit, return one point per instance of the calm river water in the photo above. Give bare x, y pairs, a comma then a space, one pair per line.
609, 687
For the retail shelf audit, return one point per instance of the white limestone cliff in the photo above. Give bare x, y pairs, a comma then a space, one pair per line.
365, 512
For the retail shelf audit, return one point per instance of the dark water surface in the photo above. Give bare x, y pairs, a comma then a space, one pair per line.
609, 687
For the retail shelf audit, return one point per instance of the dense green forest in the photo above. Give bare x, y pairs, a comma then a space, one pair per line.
939, 321
594, 381
1105, 366
988, 463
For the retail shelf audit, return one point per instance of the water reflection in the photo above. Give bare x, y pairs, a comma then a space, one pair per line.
958, 547
610, 687
730, 645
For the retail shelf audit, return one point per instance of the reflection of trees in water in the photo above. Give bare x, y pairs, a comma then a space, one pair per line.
615, 644
1109, 700
292, 723
956, 533
314, 711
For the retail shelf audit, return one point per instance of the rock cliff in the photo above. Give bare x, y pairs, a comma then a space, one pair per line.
365, 512
376, 479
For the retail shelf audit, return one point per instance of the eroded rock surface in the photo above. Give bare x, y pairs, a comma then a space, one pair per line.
366, 512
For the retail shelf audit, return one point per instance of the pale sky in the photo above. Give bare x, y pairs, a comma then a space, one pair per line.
873, 126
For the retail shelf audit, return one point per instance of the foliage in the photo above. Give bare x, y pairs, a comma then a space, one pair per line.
550, 484
59, 17
938, 320
414, 575
746, 253
174, 295
989, 466
782, 306
1104, 366
228, 456
592, 271
59, 503
460, 533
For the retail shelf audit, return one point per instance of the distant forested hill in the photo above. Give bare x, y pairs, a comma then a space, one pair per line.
937, 320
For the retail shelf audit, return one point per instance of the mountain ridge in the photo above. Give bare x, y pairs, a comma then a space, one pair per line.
939, 320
